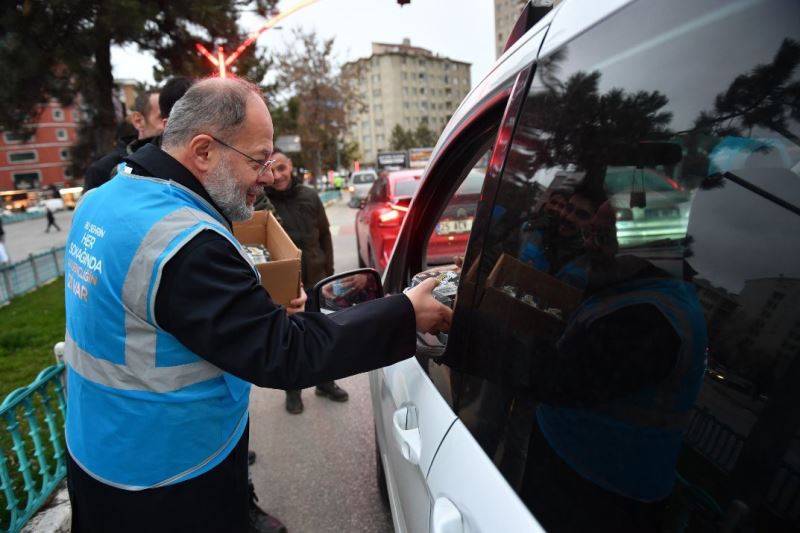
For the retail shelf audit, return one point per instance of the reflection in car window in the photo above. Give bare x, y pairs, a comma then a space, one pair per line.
632, 360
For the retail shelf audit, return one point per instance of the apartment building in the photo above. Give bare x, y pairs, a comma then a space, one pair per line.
406, 85
506, 13
43, 159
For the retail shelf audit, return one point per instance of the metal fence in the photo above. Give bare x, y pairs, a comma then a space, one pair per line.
32, 461
21, 217
24, 276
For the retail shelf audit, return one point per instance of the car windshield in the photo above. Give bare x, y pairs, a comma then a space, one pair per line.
363, 178
406, 188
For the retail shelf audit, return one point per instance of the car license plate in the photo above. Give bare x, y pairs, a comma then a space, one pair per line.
446, 227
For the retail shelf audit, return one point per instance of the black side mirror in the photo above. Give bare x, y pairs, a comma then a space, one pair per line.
344, 290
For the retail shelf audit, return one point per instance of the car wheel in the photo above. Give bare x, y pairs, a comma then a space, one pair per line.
380, 474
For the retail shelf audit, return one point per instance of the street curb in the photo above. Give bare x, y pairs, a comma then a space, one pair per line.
55, 516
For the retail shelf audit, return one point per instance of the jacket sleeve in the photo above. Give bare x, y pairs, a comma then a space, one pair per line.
210, 300
325, 239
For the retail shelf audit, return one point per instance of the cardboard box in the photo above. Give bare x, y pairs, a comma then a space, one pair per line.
523, 318
281, 276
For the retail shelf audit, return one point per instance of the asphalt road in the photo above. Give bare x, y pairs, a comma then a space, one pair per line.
23, 238
315, 471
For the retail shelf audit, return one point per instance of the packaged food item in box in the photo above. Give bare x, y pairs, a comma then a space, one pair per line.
445, 291
258, 253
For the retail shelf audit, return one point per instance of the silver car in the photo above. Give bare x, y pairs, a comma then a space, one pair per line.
360, 184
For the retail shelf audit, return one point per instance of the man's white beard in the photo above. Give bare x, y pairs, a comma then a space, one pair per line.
227, 193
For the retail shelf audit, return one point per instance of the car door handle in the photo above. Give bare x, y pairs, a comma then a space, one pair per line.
446, 517
406, 435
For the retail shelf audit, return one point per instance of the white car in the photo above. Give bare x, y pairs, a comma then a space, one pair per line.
465, 429
360, 184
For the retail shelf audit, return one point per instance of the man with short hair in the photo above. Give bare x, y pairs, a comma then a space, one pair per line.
303, 217
167, 326
146, 118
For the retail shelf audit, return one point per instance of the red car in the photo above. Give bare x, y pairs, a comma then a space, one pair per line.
380, 218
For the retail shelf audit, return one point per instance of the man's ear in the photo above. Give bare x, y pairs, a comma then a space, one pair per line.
137, 119
201, 153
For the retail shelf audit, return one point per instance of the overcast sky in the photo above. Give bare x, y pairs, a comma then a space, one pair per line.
458, 29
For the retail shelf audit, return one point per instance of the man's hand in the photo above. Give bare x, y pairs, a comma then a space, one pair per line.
431, 315
298, 304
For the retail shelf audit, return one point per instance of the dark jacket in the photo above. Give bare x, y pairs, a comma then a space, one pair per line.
303, 217
210, 300
105, 168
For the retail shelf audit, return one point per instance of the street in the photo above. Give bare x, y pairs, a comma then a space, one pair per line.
315, 471
23, 238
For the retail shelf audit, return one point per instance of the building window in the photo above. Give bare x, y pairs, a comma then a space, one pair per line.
26, 180
405, 91
376, 92
422, 90
61, 134
58, 114
64, 153
76, 116
13, 138
405, 75
22, 157
406, 105
378, 122
67, 172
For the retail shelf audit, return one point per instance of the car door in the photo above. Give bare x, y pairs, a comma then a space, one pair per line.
413, 400
564, 417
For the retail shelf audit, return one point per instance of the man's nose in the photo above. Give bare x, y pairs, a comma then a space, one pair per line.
267, 178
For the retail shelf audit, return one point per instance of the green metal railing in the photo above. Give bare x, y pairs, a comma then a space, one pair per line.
32, 460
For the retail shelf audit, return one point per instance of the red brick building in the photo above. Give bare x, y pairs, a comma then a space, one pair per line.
42, 160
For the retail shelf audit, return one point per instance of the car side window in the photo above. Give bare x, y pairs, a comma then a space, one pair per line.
377, 193
633, 351
448, 241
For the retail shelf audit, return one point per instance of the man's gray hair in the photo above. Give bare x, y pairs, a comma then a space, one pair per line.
215, 106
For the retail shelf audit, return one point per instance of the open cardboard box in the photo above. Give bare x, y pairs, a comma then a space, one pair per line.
522, 317
281, 276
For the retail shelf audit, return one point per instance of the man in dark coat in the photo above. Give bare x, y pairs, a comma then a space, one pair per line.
302, 215
217, 327
146, 118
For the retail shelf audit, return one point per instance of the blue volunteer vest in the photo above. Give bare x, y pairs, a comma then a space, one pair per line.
630, 446
143, 411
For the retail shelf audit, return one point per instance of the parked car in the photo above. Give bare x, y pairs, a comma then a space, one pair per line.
379, 220
512, 422
360, 184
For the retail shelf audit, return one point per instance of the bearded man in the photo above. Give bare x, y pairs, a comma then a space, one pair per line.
168, 325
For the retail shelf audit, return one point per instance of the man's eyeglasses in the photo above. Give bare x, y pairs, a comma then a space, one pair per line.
264, 165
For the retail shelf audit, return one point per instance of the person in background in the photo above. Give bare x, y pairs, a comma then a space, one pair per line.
146, 123
146, 118
51, 220
303, 217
